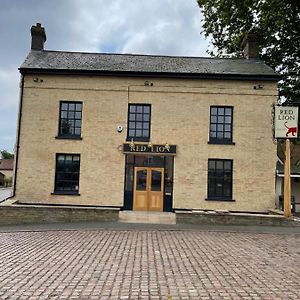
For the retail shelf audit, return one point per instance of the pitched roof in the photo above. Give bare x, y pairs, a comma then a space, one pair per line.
6, 164
134, 64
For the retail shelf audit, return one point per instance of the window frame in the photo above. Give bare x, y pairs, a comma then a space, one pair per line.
223, 196
74, 136
223, 140
66, 192
135, 138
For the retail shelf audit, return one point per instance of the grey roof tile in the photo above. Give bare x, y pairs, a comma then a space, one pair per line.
103, 62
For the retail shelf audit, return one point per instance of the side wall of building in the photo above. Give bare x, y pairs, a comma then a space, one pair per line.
180, 116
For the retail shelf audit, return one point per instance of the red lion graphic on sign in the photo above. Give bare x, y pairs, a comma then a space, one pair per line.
292, 130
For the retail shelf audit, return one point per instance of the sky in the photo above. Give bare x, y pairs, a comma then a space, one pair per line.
162, 27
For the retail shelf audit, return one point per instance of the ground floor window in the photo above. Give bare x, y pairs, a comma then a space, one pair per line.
67, 173
219, 179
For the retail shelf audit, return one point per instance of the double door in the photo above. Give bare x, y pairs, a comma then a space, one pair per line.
148, 189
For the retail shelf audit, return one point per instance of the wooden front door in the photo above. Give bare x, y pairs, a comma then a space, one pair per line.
148, 189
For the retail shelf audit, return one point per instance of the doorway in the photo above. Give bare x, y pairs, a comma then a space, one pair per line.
148, 189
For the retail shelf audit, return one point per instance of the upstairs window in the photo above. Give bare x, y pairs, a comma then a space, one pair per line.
70, 117
67, 173
219, 183
220, 125
139, 119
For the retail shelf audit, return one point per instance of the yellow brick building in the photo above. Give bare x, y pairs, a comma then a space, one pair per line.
144, 132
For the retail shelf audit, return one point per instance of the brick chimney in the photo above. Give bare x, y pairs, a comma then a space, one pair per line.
250, 45
38, 37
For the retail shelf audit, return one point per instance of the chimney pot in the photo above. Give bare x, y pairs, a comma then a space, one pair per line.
250, 45
38, 37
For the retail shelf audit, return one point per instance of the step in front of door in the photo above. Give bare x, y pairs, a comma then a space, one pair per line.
147, 217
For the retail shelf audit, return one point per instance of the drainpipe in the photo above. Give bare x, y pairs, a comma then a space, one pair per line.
18, 137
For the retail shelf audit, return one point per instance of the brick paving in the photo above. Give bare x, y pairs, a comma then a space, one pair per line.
149, 264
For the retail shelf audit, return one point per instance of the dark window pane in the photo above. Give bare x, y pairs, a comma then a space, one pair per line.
213, 119
139, 125
155, 180
227, 135
78, 115
138, 133
228, 120
64, 106
146, 118
220, 127
71, 115
64, 114
131, 117
228, 111
131, 133
211, 164
77, 131
139, 117
78, 123
219, 135
141, 180
145, 125
145, 133
71, 106
213, 134
220, 119
78, 106
220, 111
227, 165
131, 125
213, 127
219, 165
214, 111
146, 109
227, 128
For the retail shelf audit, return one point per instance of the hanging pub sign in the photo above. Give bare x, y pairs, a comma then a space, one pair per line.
286, 122
149, 148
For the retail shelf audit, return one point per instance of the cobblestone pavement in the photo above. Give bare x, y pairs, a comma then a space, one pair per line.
149, 264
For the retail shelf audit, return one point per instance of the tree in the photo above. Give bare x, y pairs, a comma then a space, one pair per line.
6, 155
278, 24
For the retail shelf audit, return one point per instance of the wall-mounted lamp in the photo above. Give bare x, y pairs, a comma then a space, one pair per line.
258, 87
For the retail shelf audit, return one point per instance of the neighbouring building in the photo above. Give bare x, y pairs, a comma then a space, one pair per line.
146, 132
6, 169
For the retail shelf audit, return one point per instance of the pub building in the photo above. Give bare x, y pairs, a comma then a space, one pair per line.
145, 132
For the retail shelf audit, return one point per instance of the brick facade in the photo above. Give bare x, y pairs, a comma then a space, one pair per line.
179, 116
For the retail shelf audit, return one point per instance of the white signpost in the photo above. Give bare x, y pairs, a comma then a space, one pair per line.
286, 122
286, 127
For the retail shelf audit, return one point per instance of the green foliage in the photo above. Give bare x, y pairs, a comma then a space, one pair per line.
6, 155
277, 22
8, 181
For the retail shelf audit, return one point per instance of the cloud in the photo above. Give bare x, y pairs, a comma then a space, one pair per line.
163, 27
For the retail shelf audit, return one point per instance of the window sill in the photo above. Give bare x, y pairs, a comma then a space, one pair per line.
220, 199
66, 193
68, 137
221, 142
138, 139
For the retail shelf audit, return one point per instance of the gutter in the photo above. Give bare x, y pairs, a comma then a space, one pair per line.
222, 76
18, 138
